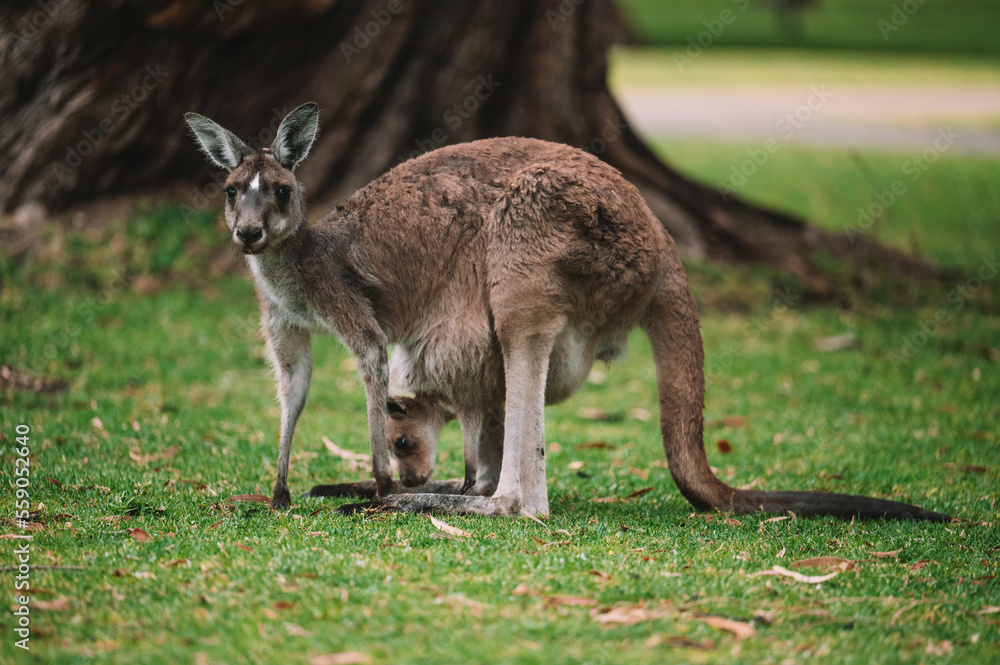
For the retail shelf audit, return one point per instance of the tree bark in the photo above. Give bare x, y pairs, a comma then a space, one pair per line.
92, 100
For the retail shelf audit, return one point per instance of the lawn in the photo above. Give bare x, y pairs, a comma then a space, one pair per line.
146, 549
925, 26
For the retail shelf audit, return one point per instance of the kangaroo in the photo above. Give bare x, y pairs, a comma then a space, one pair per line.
503, 266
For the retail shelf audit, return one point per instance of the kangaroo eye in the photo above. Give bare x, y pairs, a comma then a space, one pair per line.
283, 193
402, 444
231, 193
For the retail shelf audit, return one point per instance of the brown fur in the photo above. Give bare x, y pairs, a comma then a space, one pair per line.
503, 268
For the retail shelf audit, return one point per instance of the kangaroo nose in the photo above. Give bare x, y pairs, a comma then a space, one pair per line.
249, 236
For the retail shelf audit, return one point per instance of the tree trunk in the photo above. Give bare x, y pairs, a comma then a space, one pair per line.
92, 100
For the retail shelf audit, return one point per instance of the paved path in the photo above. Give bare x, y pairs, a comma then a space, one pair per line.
898, 118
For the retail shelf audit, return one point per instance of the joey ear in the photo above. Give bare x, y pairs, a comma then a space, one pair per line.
224, 149
296, 135
394, 407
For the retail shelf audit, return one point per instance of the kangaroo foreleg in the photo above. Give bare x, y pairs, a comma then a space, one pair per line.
291, 354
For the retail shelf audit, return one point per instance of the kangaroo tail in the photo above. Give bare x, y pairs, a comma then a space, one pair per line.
674, 332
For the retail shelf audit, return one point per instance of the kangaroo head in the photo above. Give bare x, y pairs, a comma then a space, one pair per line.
412, 428
265, 203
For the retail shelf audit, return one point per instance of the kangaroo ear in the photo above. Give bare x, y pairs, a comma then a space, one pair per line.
223, 148
296, 135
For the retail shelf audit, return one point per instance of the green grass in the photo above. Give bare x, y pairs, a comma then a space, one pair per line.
170, 411
636, 67
957, 26
948, 209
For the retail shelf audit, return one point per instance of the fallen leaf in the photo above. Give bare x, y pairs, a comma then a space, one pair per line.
626, 615
96, 423
589, 413
523, 590
606, 499
777, 519
968, 468
15, 536
139, 535
751, 484
570, 600
60, 604
599, 574
638, 472
728, 421
447, 528
297, 630
282, 605
636, 493
337, 451
638, 414
602, 445
886, 555
53, 481
740, 629
724, 446
253, 498
680, 642
245, 548
846, 340
575, 466
825, 563
139, 458
989, 609
342, 658
798, 577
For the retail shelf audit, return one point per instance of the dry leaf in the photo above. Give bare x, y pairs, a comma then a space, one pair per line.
575, 466
297, 630
139, 535
523, 590
15, 536
638, 414
604, 445
570, 600
640, 492
447, 528
826, 563
886, 555
740, 629
253, 498
989, 609
606, 499
589, 413
798, 577
139, 458
53, 481
337, 451
342, 658
777, 519
724, 446
638, 472
60, 604
626, 615
968, 468
680, 641
836, 342
600, 574
96, 423
245, 548
728, 421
